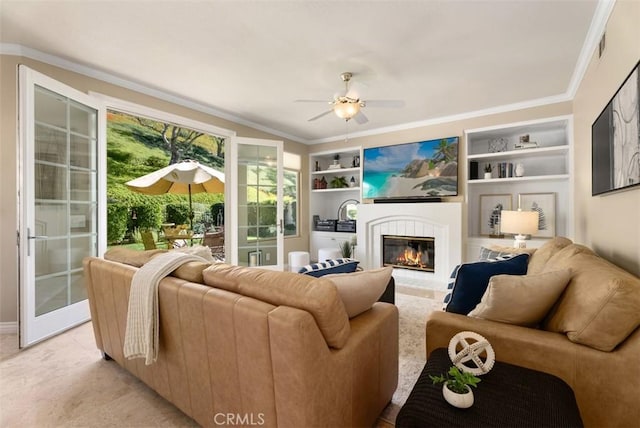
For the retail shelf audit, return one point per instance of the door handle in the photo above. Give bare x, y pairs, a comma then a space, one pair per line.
281, 225
30, 236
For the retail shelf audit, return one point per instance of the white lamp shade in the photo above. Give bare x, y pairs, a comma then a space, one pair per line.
346, 110
519, 222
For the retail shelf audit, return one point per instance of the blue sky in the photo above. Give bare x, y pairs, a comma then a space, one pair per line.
395, 158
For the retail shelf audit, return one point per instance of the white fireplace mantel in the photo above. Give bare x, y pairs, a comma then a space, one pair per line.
442, 221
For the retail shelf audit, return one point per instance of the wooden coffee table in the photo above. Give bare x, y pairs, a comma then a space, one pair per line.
507, 396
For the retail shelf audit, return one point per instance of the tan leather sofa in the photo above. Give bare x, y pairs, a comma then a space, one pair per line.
241, 346
590, 338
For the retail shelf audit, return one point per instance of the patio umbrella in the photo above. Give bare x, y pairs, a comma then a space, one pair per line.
186, 177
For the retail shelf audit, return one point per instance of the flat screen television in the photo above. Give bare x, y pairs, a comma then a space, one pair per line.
615, 140
420, 170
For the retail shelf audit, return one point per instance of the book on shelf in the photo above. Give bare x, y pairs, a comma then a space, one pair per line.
505, 170
526, 145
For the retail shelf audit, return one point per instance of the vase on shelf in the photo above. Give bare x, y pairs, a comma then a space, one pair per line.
487, 176
519, 170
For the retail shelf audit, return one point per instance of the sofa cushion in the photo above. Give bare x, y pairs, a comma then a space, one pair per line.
131, 257
601, 305
191, 271
542, 255
360, 290
198, 250
318, 296
330, 266
521, 299
472, 279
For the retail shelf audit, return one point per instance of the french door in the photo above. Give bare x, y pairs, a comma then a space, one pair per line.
256, 170
60, 139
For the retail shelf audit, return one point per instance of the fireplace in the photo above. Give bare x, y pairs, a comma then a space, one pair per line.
409, 252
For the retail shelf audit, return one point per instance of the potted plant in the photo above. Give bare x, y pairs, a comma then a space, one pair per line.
346, 249
487, 171
456, 387
339, 182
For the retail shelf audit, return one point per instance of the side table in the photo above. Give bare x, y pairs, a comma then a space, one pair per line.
508, 395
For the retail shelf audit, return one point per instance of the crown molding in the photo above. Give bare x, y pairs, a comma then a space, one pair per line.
596, 30
19, 50
446, 119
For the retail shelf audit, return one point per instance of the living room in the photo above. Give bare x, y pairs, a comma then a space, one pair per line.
605, 223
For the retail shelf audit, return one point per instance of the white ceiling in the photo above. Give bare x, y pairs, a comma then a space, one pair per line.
249, 60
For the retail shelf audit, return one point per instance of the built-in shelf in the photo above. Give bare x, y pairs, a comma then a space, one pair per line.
336, 171
522, 154
342, 189
324, 204
546, 170
516, 179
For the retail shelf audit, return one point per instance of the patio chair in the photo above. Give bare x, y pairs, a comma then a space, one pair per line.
215, 241
147, 240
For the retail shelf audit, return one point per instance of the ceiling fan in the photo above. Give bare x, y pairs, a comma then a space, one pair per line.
349, 105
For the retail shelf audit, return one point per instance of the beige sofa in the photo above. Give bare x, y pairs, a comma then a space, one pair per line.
590, 338
251, 346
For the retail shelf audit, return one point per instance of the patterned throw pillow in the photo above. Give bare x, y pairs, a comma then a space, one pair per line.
330, 266
487, 254
470, 281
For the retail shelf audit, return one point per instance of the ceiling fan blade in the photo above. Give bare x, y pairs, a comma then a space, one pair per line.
320, 115
385, 103
361, 118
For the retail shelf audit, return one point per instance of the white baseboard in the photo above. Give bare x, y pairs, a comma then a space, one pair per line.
9, 327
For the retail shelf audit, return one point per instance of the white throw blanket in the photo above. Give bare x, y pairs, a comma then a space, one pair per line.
142, 331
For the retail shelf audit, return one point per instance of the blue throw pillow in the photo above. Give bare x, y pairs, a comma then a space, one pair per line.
330, 266
472, 279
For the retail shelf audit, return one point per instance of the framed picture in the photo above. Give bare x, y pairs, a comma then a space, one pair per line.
615, 140
255, 258
490, 207
545, 204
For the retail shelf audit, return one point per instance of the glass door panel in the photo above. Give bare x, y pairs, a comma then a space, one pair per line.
59, 200
258, 207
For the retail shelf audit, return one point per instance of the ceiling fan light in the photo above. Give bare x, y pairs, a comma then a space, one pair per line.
346, 110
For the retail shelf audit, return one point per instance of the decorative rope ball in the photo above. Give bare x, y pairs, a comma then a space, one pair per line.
473, 346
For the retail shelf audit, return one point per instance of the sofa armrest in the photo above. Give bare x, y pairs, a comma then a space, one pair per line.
359, 378
592, 374
389, 295
527, 347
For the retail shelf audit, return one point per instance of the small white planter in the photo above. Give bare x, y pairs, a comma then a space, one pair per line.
461, 401
487, 176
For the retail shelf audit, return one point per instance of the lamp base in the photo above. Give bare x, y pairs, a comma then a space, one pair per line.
520, 241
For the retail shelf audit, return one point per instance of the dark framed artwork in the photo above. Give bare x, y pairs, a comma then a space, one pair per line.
615, 140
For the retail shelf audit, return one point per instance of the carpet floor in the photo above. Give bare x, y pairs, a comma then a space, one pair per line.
64, 382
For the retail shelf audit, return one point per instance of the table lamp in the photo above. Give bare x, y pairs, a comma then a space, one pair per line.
521, 223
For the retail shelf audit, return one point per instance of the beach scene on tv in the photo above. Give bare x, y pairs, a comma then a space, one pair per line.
413, 170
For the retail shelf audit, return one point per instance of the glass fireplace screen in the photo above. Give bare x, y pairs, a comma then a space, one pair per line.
408, 252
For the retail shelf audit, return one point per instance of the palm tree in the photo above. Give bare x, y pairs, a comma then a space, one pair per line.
443, 152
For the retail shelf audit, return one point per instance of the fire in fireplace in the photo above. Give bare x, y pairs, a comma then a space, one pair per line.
408, 252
